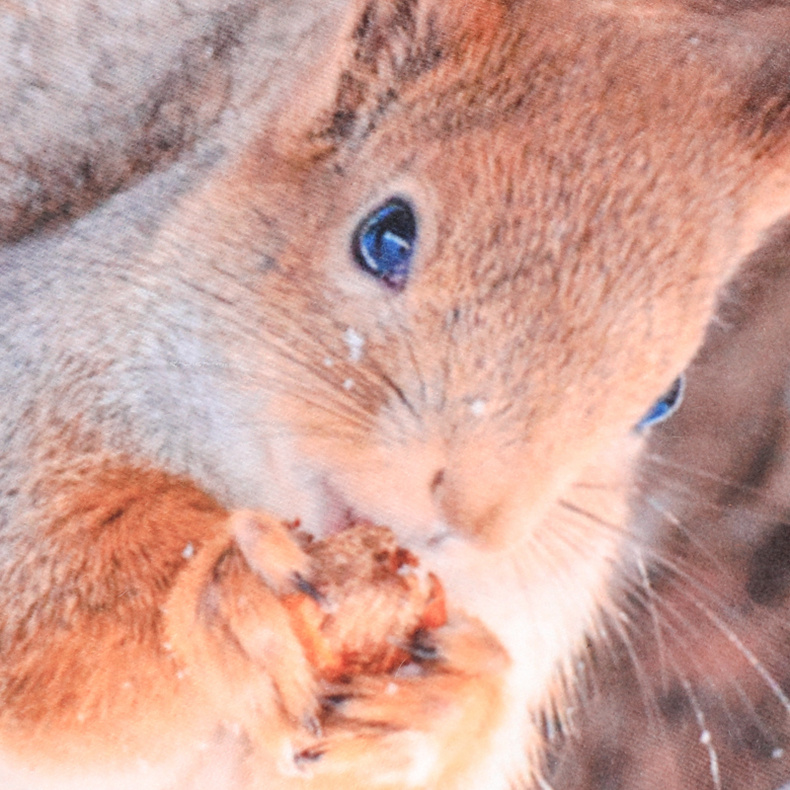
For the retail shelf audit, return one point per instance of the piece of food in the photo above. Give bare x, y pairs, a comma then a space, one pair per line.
373, 600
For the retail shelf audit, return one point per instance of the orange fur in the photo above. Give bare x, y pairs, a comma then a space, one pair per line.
108, 551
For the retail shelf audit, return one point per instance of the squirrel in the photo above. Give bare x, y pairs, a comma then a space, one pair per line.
430, 272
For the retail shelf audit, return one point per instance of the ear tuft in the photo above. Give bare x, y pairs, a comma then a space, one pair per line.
389, 35
394, 42
766, 110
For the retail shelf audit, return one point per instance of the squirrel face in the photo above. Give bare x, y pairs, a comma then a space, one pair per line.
566, 242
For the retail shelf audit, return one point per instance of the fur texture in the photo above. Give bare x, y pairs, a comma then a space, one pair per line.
585, 177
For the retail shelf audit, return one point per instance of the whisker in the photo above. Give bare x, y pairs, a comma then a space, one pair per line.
677, 486
583, 486
689, 651
685, 531
706, 739
729, 633
405, 333
655, 603
670, 610
620, 620
745, 651
400, 394
713, 477
624, 534
543, 783
654, 614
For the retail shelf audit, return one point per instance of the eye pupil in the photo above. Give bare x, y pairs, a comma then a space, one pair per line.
665, 406
384, 242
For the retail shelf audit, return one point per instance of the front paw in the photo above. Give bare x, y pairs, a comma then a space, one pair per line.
427, 725
232, 636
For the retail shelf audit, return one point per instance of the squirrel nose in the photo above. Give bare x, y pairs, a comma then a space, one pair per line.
471, 508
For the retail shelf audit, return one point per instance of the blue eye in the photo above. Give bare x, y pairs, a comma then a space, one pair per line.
384, 241
665, 406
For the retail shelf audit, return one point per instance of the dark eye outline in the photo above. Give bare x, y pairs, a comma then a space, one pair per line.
665, 406
383, 243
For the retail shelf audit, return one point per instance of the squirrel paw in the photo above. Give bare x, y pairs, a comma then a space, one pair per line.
420, 727
231, 634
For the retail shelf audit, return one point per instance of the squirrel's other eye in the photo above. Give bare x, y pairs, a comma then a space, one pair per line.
384, 241
665, 406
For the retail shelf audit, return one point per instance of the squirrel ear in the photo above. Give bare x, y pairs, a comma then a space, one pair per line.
390, 44
761, 75
380, 50
380, 47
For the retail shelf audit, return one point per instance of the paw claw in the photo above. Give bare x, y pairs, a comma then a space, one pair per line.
309, 755
304, 586
313, 726
333, 702
422, 647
